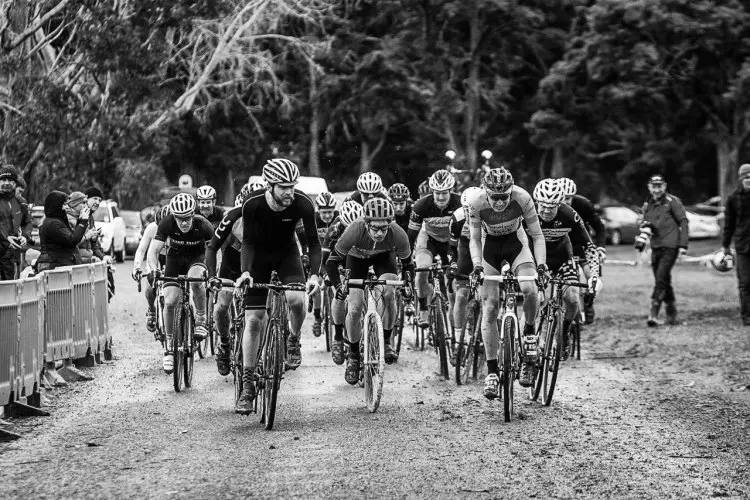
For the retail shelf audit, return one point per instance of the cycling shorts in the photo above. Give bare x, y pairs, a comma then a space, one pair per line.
465, 265
285, 261
231, 267
433, 247
382, 263
179, 265
505, 248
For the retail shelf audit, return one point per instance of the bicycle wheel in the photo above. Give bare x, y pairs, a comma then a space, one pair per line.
545, 347
575, 344
440, 338
177, 349
549, 374
327, 321
398, 324
508, 372
465, 353
272, 363
374, 360
236, 331
190, 345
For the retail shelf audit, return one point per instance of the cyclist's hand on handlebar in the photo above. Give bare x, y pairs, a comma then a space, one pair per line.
595, 285
453, 269
243, 280
341, 292
305, 261
136, 274
214, 284
477, 275
313, 284
542, 272
154, 274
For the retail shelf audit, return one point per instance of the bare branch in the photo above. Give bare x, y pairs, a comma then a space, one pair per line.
11, 108
38, 24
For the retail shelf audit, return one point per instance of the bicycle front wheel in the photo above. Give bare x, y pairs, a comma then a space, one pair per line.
398, 325
575, 340
465, 348
508, 372
327, 320
272, 361
374, 360
189, 347
440, 338
177, 349
545, 347
552, 363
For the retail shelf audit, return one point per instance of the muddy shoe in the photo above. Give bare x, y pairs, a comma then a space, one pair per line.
293, 353
424, 319
492, 386
201, 332
588, 308
168, 363
390, 355
151, 321
222, 359
528, 372
337, 352
246, 402
316, 327
351, 375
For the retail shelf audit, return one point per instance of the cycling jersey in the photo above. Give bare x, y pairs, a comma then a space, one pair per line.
329, 242
228, 235
403, 220
140, 253
189, 244
591, 219
436, 221
323, 226
215, 217
459, 229
567, 226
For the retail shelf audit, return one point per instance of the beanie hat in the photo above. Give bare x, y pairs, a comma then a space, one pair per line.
9, 172
94, 192
76, 198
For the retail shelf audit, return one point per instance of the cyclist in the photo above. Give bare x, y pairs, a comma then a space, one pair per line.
269, 220
460, 263
498, 210
206, 196
592, 222
424, 189
350, 211
324, 218
188, 234
562, 226
429, 233
402, 204
369, 185
373, 240
150, 289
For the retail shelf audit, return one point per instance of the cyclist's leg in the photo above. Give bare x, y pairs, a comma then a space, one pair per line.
524, 265
588, 298
174, 267
149, 292
291, 271
338, 316
355, 304
231, 269
317, 300
490, 293
461, 287
423, 258
197, 270
443, 250
386, 269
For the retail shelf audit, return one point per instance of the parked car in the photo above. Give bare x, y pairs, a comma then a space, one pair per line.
107, 217
703, 226
133, 230
621, 224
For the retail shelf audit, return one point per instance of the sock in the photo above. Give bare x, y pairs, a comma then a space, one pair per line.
422, 303
354, 350
492, 366
566, 325
316, 313
338, 334
387, 332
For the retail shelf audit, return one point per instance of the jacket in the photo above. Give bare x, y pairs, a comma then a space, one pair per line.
58, 241
14, 219
737, 221
668, 221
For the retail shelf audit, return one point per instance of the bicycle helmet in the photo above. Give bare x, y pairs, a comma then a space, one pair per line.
722, 262
239, 200
325, 200
498, 180
161, 213
205, 193
549, 191
351, 211
424, 189
256, 186
399, 192
470, 191
442, 180
379, 208
182, 205
369, 183
280, 171
568, 186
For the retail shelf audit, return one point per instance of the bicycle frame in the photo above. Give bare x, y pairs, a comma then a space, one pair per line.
443, 346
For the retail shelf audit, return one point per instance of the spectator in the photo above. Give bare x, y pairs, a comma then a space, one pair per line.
58, 240
737, 226
15, 224
665, 215
75, 204
94, 198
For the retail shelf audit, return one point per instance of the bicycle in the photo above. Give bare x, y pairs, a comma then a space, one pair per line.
373, 344
159, 331
512, 351
440, 330
470, 347
325, 313
580, 319
272, 349
184, 343
551, 340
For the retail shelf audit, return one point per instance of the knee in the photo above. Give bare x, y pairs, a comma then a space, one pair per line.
356, 305
528, 289
491, 305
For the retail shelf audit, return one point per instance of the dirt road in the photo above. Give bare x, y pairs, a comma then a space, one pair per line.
646, 413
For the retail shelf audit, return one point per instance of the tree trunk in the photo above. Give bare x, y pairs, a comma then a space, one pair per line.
471, 122
558, 168
314, 152
542, 169
365, 160
726, 160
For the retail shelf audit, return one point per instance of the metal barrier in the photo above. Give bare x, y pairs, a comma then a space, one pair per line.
8, 339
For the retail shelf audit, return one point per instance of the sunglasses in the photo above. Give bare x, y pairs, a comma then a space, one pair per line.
379, 229
547, 206
183, 220
499, 196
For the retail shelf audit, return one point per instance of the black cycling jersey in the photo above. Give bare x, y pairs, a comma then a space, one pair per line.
403, 220
567, 228
230, 225
216, 216
323, 226
268, 231
591, 219
357, 197
189, 244
436, 220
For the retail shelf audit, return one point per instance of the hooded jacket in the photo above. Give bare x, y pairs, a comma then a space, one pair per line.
58, 240
14, 219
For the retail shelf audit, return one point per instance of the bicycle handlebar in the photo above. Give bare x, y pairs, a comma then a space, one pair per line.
370, 282
294, 287
500, 278
180, 279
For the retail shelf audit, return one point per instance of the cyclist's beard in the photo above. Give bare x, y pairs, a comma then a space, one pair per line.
206, 211
284, 201
7, 189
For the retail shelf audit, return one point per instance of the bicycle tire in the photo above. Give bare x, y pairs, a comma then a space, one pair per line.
177, 332
439, 338
190, 346
465, 345
398, 324
545, 344
553, 363
373, 361
236, 331
273, 368
507, 369
327, 319
577, 340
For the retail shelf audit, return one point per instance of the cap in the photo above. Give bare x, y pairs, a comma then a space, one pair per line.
656, 179
94, 192
9, 172
76, 198
744, 170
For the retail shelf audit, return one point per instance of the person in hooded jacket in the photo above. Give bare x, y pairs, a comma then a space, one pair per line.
59, 241
15, 224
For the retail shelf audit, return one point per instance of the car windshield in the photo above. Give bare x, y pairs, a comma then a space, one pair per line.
101, 214
621, 214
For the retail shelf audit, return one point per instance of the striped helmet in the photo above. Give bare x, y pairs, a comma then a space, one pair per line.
549, 191
182, 205
568, 186
399, 192
466, 194
239, 200
424, 189
498, 180
442, 180
205, 193
325, 200
369, 183
351, 211
161, 213
280, 171
379, 208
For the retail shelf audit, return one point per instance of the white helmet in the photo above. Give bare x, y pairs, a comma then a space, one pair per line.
325, 200
257, 185
467, 193
280, 171
182, 205
568, 186
369, 183
206, 193
239, 200
351, 211
722, 262
442, 180
549, 191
